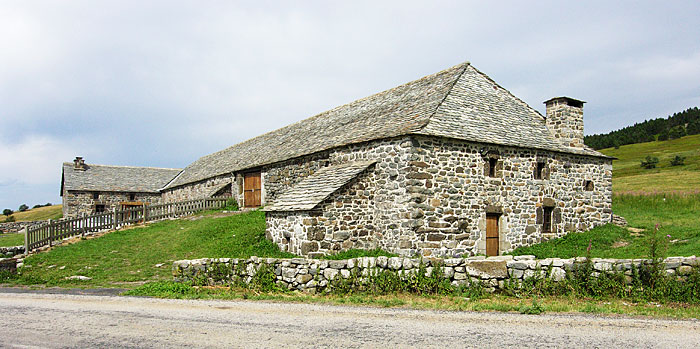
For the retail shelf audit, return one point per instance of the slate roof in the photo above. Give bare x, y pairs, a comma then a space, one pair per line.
116, 178
315, 188
459, 102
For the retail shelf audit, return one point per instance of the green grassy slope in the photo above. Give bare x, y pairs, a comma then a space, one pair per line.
629, 176
127, 257
14, 239
37, 214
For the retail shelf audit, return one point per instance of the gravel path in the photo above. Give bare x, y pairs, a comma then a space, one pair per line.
54, 320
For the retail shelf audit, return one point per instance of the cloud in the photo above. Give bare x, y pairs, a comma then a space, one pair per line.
35, 160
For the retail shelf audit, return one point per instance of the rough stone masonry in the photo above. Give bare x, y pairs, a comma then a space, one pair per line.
314, 275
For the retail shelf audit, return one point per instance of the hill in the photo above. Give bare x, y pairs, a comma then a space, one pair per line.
37, 214
630, 177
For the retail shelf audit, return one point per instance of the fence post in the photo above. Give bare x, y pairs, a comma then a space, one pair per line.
26, 240
114, 218
50, 232
144, 213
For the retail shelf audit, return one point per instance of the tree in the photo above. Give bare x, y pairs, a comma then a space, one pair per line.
23, 207
7, 212
663, 136
650, 162
677, 132
678, 160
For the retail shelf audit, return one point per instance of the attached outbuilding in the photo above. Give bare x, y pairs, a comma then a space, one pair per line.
88, 188
447, 165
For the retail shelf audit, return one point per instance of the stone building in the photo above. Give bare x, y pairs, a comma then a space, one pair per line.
449, 164
88, 189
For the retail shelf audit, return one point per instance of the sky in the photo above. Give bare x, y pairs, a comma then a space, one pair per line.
162, 83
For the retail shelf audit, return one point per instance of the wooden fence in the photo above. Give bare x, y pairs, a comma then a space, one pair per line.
55, 231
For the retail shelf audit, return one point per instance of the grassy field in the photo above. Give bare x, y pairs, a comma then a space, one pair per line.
13, 239
675, 214
37, 214
131, 256
629, 176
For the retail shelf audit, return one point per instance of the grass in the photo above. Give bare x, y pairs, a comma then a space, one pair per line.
676, 214
629, 176
493, 302
37, 214
12, 239
129, 257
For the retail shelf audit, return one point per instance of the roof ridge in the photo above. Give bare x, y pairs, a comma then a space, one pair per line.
509, 93
449, 91
465, 64
126, 166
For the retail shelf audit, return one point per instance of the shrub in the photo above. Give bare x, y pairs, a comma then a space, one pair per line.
650, 162
678, 160
231, 205
23, 207
10, 219
677, 132
37, 206
7, 212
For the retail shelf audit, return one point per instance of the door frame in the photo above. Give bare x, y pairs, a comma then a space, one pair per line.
495, 235
252, 174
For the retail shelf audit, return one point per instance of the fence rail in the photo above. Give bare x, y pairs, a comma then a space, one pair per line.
55, 231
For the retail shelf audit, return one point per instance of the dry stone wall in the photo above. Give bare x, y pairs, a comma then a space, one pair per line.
15, 227
9, 251
314, 275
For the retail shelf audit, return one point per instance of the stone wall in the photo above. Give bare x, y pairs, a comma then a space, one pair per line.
314, 275
200, 190
79, 203
10, 251
15, 227
366, 213
430, 196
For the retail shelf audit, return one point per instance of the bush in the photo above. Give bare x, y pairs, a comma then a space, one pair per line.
10, 219
7, 212
23, 207
678, 160
650, 162
677, 132
231, 205
37, 206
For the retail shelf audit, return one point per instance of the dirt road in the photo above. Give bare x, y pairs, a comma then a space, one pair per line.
51, 320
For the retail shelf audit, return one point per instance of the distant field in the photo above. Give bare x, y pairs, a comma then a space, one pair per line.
630, 177
14, 239
38, 214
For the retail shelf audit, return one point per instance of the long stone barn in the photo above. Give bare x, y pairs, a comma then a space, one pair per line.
449, 164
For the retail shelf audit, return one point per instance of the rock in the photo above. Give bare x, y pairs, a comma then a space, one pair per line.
159, 265
395, 263
487, 269
682, 270
525, 257
304, 278
78, 277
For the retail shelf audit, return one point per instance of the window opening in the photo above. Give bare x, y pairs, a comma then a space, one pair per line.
99, 208
492, 167
539, 171
95, 196
588, 185
547, 219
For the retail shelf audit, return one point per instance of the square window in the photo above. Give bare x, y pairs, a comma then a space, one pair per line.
539, 170
588, 185
132, 197
492, 167
99, 208
96, 196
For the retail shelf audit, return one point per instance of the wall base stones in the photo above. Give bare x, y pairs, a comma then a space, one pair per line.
314, 275
15, 227
11, 251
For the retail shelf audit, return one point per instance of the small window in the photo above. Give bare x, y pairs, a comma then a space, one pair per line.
96, 196
492, 167
547, 219
99, 208
539, 170
132, 197
588, 185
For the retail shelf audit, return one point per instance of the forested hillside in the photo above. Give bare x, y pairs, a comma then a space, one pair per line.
675, 126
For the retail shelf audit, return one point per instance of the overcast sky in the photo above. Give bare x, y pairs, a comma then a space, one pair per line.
162, 83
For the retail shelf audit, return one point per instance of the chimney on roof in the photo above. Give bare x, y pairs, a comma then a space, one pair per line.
79, 163
565, 120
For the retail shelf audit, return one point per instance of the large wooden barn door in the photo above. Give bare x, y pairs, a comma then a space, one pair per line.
252, 189
491, 234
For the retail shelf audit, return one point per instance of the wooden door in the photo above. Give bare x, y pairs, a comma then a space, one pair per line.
252, 189
491, 234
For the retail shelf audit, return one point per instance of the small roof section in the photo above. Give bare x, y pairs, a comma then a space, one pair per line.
567, 100
315, 188
116, 178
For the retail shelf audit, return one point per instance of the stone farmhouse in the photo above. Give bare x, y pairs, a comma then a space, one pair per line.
88, 189
449, 164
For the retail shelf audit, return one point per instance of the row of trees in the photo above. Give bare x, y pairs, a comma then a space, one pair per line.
22, 208
675, 126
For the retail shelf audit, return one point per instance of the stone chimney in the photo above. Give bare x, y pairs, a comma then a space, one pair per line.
79, 164
565, 120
